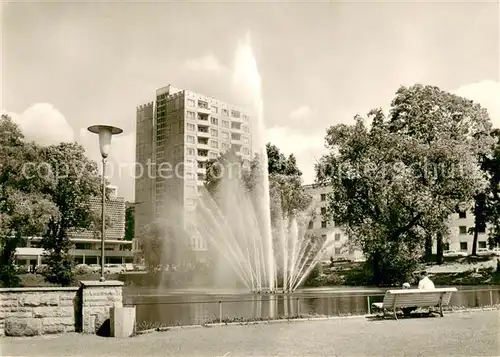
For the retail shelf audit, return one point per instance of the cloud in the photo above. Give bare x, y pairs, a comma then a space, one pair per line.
300, 113
306, 148
208, 63
44, 124
486, 93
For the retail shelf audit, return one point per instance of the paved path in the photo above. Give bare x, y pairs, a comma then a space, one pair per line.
458, 334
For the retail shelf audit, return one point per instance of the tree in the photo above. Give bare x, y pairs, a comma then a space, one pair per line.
287, 195
399, 178
491, 167
163, 244
24, 211
278, 164
441, 119
72, 181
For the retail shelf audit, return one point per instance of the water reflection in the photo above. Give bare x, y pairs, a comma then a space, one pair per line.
188, 308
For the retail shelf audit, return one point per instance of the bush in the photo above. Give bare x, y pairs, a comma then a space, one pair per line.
82, 269
9, 276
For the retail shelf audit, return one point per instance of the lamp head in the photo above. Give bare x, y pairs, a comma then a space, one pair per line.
105, 132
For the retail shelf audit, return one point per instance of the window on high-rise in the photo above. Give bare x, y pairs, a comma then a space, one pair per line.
214, 144
235, 114
225, 146
225, 135
190, 151
190, 127
214, 120
190, 102
246, 150
225, 112
215, 109
212, 155
245, 117
225, 124
202, 104
214, 132
246, 140
190, 139
190, 115
323, 197
235, 125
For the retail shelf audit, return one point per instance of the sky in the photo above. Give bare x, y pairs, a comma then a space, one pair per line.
66, 66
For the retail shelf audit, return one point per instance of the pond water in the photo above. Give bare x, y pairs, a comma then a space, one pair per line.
191, 306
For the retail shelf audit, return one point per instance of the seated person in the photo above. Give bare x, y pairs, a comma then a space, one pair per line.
380, 304
425, 282
408, 310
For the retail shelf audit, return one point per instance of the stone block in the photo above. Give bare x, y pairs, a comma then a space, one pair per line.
66, 302
50, 329
23, 326
53, 311
64, 321
30, 300
122, 321
50, 299
24, 313
8, 302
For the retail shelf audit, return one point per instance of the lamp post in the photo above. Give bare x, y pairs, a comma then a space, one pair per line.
105, 132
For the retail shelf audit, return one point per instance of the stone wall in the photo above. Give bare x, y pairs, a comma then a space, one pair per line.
38, 311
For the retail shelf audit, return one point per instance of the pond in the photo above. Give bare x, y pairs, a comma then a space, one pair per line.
191, 306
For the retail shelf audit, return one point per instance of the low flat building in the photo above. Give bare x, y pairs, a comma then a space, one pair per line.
87, 243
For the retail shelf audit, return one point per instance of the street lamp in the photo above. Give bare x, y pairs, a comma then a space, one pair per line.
105, 133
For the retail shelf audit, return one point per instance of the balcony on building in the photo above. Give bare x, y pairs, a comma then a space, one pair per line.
203, 153
236, 138
204, 108
203, 142
236, 126
203, 131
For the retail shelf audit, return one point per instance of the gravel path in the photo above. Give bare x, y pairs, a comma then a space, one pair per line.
457, 334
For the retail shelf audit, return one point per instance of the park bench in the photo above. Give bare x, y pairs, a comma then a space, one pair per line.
424, 298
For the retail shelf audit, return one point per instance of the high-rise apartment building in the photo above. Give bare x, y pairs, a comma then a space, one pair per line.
179, 133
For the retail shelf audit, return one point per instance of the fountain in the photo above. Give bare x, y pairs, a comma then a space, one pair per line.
266, 258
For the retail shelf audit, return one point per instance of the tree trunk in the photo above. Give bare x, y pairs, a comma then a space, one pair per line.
428, 248
474, 241
478, 220
439, 248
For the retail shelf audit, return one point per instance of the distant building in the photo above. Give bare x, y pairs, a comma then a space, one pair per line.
87, 243
459, 224
329, 230
179, 132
